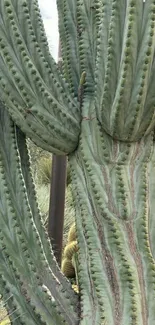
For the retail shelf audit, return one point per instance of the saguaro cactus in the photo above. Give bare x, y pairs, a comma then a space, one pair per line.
99, 110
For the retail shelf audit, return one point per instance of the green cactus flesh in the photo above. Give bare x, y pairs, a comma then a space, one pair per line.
99, 109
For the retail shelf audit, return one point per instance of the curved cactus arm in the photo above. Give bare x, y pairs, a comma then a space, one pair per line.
127, 69
40, 35
31, 193
30, 87
120, 63
35, 39
24, 246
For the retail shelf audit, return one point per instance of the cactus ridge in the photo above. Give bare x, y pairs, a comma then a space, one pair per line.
69, 65
25, 232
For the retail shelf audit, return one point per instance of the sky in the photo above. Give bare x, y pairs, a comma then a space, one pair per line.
50, 19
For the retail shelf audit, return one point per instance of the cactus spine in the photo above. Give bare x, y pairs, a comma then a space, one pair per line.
98, 110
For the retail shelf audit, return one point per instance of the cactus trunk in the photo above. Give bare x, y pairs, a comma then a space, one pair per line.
113, 191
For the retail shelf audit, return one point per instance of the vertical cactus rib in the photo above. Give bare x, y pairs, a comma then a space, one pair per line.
95, 297
144, 240
90, 308
130, 43
87, 22
69, 35
151, 205
28, 257
143, 73
109, 39
148, 63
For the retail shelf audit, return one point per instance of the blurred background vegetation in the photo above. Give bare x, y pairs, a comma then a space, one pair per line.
41, 162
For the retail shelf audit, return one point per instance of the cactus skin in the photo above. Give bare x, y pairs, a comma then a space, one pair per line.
109, 139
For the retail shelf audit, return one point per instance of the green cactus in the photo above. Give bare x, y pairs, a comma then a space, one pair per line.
99, 110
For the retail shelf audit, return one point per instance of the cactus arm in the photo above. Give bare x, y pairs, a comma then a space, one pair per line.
127, 70
122, 215
36, 20
31, 89
69, 38
29, 256
109, 45
120, 63
31, 193
34, 34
